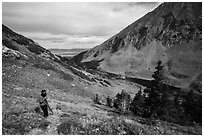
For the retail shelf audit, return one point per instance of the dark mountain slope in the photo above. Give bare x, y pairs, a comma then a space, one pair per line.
22, 44
171, 33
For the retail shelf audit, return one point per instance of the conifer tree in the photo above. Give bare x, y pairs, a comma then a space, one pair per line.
155, 92
137, 105
122, 101
159, 73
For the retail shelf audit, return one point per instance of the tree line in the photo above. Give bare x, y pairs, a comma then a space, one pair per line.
159, 101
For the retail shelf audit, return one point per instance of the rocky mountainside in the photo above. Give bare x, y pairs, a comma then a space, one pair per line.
23, 47
171, 33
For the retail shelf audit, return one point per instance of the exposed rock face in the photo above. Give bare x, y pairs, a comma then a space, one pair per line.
171, 33
16, 46
6, 52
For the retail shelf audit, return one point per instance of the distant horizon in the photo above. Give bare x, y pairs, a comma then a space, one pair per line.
67, 48
60, 25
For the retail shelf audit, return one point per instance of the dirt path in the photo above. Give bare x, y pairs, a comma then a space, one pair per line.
54, 122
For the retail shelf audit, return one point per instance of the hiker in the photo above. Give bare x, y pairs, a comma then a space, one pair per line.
109, 101
96, 100
44, 103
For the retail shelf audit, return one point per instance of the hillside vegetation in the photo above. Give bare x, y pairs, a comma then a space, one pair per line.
89, 99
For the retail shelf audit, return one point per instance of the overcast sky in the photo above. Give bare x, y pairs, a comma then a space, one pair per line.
71, 25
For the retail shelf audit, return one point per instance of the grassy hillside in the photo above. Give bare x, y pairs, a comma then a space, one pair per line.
70, 97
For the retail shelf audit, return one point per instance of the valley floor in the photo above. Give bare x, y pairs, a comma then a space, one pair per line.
71, 101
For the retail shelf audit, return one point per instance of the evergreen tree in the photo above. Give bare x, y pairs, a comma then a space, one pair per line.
155, 93
193, 106
137, 104
159, 73
122, 101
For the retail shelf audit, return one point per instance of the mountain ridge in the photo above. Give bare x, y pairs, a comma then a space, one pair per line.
158, 35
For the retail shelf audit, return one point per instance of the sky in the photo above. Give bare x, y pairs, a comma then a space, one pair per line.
72, 25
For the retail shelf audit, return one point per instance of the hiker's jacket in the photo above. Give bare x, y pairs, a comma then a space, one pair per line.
42, 101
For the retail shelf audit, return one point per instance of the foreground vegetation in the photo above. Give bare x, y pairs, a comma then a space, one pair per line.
74, 111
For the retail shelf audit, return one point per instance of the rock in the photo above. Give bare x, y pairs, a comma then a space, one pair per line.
18, 88
10, 53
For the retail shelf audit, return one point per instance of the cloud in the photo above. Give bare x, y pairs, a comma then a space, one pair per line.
56, 23
49, 40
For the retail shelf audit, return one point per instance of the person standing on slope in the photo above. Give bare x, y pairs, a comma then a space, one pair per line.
44, 103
